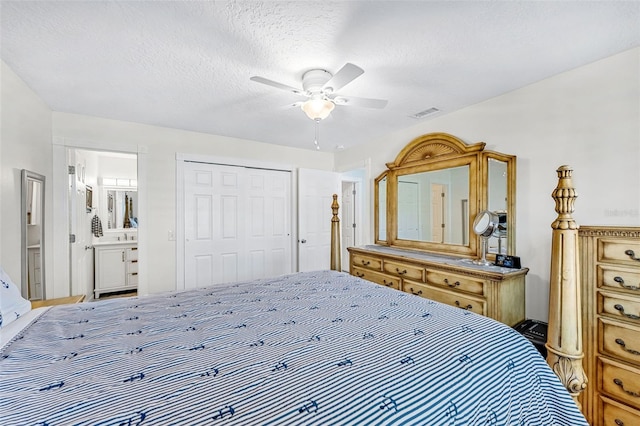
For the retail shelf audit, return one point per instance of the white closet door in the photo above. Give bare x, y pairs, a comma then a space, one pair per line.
237, 223
268, 223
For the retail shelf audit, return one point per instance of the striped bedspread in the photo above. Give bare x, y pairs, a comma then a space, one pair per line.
322, 348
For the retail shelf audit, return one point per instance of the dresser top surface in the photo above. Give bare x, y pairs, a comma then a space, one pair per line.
439, 259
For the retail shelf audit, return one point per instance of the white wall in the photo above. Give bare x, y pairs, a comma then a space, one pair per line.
588, 118
157, 149
25, 143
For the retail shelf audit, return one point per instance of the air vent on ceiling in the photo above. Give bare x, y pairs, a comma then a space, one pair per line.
424, 113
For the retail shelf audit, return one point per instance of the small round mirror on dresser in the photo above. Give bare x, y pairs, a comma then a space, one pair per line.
489, 224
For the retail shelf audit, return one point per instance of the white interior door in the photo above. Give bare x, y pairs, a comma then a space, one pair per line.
237, 223
315, 194
408, 211
348, 220
81, 255
438, 203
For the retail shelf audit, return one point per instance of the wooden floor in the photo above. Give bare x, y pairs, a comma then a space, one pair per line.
58, 301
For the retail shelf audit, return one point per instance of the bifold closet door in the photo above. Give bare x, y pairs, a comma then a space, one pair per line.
237, 223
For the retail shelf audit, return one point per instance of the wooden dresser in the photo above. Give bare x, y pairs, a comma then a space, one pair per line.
492, 291
610, 277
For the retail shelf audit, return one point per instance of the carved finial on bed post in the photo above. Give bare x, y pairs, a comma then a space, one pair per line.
564, 337
335, 235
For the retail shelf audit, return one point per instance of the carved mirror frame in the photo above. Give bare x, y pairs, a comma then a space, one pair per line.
441, 151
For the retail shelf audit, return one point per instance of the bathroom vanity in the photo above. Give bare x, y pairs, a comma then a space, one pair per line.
116, 266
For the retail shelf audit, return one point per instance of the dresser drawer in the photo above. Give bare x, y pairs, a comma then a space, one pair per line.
404, 270
377, 277
620, 381
456, 282
614, 278
366, 262
132, 267
615, 414
621, 306
448, 297
620, 341
619, 251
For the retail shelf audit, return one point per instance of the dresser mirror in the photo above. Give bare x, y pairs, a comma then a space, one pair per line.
500, 198
429, 196
431, 205
380, 200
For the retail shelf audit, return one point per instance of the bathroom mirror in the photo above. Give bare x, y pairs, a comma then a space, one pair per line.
120, 209
434, 190
32, 235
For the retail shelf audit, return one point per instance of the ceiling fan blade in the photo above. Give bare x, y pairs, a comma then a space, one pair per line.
344, 76
276, 85
360, 102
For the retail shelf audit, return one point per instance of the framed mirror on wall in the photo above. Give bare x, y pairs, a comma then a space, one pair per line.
121, 208
32, 235
429, 196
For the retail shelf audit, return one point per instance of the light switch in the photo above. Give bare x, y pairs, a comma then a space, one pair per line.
172, 235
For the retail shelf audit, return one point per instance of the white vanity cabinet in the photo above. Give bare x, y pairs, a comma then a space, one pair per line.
116, 267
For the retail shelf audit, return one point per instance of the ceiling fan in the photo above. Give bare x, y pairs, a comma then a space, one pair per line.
321, 87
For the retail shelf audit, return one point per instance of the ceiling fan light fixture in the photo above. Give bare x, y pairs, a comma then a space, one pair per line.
318, 109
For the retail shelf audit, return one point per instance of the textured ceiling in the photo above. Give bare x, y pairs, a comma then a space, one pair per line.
187, 65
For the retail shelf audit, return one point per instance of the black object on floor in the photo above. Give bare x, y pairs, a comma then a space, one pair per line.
536, 332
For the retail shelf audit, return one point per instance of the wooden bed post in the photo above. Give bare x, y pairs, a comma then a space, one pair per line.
335, 235
564, 341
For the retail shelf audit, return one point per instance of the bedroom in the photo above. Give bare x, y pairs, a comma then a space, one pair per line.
588, 117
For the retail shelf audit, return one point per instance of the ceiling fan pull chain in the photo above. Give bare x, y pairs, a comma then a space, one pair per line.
315, 141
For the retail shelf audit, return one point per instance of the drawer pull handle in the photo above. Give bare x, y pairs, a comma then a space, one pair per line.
360, 274
621, 309
624, 346
632, 255
388, 284
456, 284
416, 293
466, 308
366, 262
620, 281
619, 422
619, 383
401, 272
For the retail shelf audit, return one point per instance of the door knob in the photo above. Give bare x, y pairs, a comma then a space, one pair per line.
88, 247
303, 241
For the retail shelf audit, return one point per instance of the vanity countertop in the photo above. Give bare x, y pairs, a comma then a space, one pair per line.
115, 243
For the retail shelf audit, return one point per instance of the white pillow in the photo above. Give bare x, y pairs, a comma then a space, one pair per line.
12, 304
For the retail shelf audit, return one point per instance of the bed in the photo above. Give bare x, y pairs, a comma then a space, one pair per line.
312, 348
